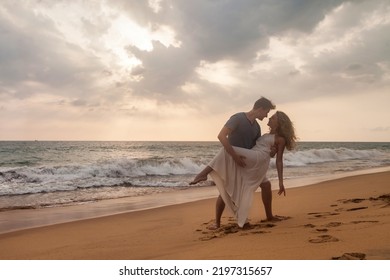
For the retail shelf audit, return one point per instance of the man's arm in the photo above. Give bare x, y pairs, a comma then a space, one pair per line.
223, 138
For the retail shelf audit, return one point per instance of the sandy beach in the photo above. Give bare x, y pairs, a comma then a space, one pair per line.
346, 218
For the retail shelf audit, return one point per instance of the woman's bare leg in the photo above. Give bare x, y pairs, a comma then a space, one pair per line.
202, 176
266, 196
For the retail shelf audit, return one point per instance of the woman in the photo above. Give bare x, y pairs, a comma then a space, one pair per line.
237, 184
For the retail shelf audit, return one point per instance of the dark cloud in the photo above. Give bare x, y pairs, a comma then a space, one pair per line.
70, 60
237, 29
354, 67
137, 71
218, 30
79, 103
32, 48
164, 70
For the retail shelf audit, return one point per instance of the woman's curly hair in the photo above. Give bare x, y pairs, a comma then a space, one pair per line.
286, 130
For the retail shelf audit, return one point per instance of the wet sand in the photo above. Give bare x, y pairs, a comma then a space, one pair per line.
347, 218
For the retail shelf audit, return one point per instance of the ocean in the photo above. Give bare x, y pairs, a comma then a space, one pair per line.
39, 174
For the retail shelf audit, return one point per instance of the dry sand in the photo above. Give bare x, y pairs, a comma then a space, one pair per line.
347, 218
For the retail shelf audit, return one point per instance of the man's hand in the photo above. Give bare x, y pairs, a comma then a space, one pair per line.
240, 160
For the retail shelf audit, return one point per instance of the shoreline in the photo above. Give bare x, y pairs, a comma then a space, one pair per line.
345, 218
21, 219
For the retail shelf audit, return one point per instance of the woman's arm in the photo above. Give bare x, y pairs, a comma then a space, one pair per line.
281, 144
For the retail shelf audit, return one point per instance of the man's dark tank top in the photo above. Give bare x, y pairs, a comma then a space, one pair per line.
244, 133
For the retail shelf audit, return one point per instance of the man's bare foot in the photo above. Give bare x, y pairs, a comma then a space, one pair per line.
198, 179
213, 227
247, 225
275, 218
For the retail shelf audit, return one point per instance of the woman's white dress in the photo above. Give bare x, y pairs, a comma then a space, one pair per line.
237, 184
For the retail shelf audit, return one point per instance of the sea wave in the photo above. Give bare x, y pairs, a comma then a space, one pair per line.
156, 172
29, 180
315, 156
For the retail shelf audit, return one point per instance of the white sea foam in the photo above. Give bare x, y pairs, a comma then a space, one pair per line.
313, 156
80, 172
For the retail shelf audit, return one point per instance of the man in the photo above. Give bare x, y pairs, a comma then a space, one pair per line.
242, 130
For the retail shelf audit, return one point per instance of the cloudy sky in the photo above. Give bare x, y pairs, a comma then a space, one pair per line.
177, 69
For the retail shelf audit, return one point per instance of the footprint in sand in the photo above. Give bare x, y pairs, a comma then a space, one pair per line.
309, 226
254, 232
333, 224
324, 228
207, 237
258, 226
357, 208
380, 199
232, 228
323, 239
353, 200
322, 214
385, 198
361, 222
220, 232
351, 256
209, 232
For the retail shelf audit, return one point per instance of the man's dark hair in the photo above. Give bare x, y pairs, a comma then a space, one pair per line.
264, 103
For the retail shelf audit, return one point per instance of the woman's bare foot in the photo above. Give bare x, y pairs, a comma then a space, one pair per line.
202, 176
198, 179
